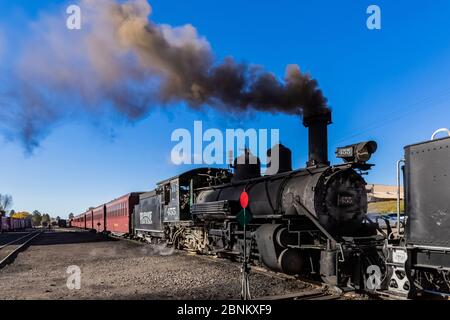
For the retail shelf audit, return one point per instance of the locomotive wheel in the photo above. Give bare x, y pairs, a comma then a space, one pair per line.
291, 261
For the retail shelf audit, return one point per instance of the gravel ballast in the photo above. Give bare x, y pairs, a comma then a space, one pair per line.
120, 269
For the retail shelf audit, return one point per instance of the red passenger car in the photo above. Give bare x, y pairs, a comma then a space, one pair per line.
80, 221
118, 213
89, 220
99, 218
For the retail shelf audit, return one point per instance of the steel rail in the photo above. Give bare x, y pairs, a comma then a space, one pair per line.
16, 240
16, 250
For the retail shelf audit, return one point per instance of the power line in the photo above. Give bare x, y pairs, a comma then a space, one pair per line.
397, 114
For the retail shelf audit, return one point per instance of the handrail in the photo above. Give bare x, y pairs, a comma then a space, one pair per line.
398, 194
433, 136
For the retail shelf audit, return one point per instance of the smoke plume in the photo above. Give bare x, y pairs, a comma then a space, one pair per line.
121, 60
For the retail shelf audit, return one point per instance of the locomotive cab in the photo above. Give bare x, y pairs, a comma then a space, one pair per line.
165, 211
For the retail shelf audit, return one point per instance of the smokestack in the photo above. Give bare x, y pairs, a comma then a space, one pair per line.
317, 125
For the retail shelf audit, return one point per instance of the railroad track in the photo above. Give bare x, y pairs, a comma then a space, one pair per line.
10, 249
318, 291
314, 294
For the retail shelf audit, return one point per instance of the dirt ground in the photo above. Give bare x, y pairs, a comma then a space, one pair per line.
119, 269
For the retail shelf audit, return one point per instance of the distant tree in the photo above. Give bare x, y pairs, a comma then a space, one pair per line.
5, 203
12, 213
45, 219
58, 218
71, 215
36, 218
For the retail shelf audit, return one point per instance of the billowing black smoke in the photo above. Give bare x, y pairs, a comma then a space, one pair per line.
240, 87
122, 60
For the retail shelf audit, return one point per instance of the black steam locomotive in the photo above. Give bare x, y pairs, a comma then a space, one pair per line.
309, 221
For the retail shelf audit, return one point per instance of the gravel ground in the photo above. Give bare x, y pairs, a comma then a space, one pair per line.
118, 269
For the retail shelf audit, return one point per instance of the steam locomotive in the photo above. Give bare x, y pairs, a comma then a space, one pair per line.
305, 221
309, 221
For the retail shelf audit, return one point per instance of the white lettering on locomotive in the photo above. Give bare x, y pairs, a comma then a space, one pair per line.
172, 211
146, 217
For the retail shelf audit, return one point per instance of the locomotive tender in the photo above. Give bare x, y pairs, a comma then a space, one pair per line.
418, 259
308, 221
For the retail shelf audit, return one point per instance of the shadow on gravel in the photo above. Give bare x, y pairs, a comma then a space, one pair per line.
70, 237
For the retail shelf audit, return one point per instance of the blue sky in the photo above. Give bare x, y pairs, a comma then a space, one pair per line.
391, 85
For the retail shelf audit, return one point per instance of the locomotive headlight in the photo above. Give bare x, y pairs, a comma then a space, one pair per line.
358, 152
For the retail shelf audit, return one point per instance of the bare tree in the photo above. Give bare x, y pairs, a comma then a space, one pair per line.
5, 203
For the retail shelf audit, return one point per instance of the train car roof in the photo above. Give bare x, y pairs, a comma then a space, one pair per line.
124, 196
99, 207
426, 142
191, 173
147, 194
